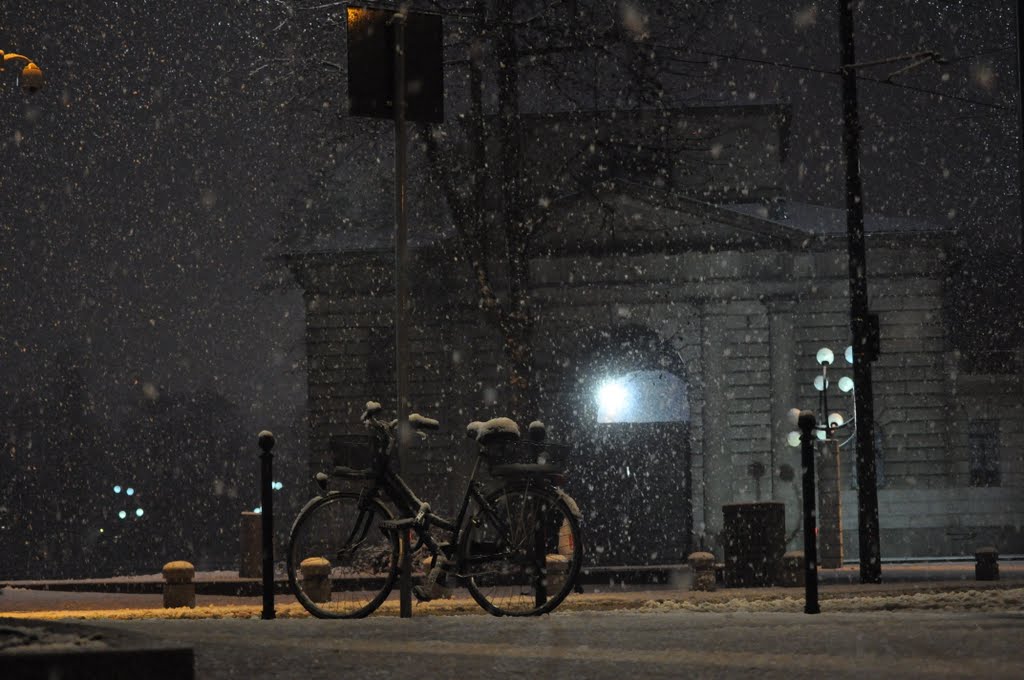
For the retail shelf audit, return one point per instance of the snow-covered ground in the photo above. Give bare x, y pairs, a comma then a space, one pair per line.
17, 603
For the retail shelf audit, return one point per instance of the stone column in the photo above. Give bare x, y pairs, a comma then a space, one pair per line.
715, 482
785, 472
830, 507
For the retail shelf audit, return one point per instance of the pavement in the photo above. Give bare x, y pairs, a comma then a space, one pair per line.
924, 620
905, 586
602, 646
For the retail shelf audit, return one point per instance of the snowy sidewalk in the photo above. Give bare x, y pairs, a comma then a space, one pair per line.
1004, 595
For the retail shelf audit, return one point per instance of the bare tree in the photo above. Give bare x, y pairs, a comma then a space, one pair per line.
510, 66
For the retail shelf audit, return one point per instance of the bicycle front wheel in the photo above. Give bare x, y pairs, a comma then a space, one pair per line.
341, 564
522, 552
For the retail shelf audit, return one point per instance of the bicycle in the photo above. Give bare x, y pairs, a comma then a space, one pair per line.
517, 548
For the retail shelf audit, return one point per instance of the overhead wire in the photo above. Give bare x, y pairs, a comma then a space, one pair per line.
835, 72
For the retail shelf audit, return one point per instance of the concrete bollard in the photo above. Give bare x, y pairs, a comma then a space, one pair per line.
702, 564
557, 567
179, 584
986, 564
316, 578
791, 572
249, 546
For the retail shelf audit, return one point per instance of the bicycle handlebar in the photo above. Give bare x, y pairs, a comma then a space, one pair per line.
418, 422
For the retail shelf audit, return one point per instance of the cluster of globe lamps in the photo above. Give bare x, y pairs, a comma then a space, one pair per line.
825, 358
128, 491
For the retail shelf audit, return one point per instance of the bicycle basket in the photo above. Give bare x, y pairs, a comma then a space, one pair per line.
357, 452
528, 452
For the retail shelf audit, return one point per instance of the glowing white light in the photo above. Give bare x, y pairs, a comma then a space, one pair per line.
825, 356
130, 491
122, 514
820, 383
138, 512
821, 435
276, 486
848, 354
258, 510
117, 488
846, 383
793, 416
793, 439
612, 397
835, 420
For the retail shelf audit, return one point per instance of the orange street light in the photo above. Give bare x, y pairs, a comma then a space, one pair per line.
31, 79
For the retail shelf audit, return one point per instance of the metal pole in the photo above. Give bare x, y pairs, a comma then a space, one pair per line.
867, 491
401, 244
824, 393
1020, 111
266, 440
807, 424
402, 295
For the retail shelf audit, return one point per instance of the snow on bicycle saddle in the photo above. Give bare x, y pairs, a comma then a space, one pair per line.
494, 431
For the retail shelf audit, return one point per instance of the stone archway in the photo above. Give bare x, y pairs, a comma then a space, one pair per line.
632, 476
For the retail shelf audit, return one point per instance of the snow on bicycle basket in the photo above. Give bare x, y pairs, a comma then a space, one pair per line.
501, 439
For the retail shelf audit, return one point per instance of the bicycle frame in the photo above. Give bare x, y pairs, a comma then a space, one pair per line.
398, 492
415, 515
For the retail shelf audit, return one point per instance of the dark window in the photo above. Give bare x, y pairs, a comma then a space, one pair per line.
983, 442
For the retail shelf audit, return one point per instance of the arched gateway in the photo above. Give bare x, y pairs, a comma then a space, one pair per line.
633, 469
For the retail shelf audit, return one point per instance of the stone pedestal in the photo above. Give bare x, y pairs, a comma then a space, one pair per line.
830, 506
316, 578
557, 569
792, 575
702, 564
179, 584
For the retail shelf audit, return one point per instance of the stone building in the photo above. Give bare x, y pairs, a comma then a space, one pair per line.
679, 315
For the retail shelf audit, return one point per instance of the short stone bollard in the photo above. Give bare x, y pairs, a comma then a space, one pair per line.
316, 578
179, 584
557, 569
791, 573
986, 564
702, 564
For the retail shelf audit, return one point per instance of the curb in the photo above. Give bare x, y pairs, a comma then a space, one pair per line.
41, 650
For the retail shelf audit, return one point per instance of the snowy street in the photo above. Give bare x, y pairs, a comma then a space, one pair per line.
607, 645
666, 322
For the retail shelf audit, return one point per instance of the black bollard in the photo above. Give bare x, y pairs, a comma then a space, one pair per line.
266, 440
405, 578
807, 424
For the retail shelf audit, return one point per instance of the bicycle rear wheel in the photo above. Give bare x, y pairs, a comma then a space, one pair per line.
522, 554
341, 564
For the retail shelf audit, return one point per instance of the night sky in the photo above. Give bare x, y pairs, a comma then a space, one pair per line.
142, 190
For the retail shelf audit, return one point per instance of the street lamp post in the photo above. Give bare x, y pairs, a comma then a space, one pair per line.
31, 79
863, 325
828, 525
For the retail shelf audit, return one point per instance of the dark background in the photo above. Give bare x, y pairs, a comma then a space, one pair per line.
142, 190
